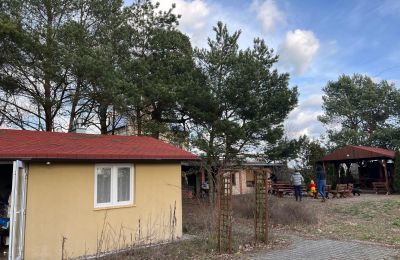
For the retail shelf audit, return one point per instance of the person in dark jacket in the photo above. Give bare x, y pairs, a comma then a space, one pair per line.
321, 181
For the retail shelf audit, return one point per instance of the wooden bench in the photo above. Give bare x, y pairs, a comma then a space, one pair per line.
350, 187
281, 189
285, 188
341, 191
380, 187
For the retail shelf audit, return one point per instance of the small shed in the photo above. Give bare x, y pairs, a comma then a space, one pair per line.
242, 176
79, 195
372, 164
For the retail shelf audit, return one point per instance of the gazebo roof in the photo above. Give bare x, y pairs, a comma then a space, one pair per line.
356, 153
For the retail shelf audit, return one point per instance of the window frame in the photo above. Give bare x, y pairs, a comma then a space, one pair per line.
114, 185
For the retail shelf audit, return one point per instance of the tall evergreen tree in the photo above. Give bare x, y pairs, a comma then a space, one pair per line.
33, 82
360, 111
244, 100
159, 70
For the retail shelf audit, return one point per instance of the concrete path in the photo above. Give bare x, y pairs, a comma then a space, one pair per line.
330, 249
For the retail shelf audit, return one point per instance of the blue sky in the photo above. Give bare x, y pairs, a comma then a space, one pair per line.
317, 41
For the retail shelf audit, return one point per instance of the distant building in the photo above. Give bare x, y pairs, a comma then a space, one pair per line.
242, 176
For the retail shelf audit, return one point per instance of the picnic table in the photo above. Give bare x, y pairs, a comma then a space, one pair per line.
380, 187
285, 188
282, 188
342, 190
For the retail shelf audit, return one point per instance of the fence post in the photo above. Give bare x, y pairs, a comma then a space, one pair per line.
224, 211
261, 217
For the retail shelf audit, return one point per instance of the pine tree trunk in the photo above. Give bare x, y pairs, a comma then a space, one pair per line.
74, 104
47, 106
138, 121
103, 118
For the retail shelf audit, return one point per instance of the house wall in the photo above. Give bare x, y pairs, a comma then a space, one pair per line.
241, 186
236, 188
60, 203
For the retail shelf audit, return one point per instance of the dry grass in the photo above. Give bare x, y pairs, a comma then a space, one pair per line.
292, 213
369, 217
199, 218
283, 211
185, 249
243, 206
198, 222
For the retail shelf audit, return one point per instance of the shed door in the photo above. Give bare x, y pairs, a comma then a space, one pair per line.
17, 218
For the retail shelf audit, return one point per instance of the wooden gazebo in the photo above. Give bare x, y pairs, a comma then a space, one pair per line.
357, 154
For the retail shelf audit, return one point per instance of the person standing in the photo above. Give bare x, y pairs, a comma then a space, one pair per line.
297, 179
321, 181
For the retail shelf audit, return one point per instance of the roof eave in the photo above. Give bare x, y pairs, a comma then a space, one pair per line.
356, 159
30, 159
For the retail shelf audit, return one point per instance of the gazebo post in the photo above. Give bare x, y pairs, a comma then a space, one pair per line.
325, 166
348, 164
384, 164
337, 171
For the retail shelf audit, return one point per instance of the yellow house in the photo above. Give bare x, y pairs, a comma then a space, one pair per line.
74, 195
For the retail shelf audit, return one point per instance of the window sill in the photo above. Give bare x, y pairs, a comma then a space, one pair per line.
114, 207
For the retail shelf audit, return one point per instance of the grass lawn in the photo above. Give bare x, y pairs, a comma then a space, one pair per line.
369, 217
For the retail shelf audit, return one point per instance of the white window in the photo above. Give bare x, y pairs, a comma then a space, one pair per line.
113, 185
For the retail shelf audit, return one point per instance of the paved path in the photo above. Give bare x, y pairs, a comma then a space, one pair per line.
330, 249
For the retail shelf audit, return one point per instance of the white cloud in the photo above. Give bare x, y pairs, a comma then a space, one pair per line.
304, 118
313, 102
268, 14
199, 16
195, 17
298, 50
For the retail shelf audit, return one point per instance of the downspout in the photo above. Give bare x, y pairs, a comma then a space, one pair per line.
23, 209
18, 253
12, 213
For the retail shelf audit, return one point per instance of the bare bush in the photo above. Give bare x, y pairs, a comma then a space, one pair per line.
244, 205
200, 218
290, 212
281, 210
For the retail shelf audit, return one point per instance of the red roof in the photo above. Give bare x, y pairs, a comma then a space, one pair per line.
353, 152
19, 144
